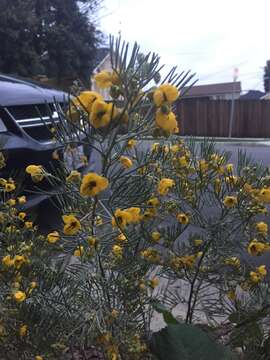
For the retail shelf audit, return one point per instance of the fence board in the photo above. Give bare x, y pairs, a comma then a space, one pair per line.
204, 117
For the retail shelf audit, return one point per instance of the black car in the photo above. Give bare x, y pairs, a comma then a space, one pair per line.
27, 113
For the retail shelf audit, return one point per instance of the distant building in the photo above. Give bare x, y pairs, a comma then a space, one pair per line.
252, 95
220, 91
266, 97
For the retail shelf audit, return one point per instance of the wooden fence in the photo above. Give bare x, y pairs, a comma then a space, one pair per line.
203, 117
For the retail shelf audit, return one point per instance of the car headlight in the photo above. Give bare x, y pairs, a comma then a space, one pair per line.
2, 126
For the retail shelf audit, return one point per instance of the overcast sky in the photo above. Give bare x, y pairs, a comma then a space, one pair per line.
210, 37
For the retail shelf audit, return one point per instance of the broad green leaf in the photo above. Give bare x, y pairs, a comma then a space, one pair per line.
167, 315
187, 342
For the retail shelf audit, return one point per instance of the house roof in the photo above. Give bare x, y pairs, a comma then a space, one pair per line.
101, 54
213, 89
266, 97
252, 95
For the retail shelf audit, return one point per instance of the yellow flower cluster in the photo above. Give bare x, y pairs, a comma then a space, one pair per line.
126, 162
122, 218
151, 255
100, 113
17, 261
233, 261
186, 261
106, 79
163, 97
256, 247
258, 275
36, 171
53, 237
165, 185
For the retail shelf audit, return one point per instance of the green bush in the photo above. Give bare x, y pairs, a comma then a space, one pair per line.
172, 222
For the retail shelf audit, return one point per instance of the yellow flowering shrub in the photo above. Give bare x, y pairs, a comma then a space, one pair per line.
166, 220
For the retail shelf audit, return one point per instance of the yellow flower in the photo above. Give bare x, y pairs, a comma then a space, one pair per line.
53, 237
98, 220
229, 168
262, 228
230, 201
8, 261
3, 182
33, 284
155, 236
232, 180
167, 122
262, 270
104, 79
23, 330
74, 176
28, 224
19, 260
175, 148
203, 165
121, 237
165, 93
255, 248
233, 261
259, 274
10, 186
79, 251
131, 143
21, 215
36, 172
135, 214
72, 225
121, 218
254, 276
11, 202
38, 357
198, 242
183, 218
126, 162
114, 313
92, 241
153, 202
93, 184
19, 296
102, 113
21, 200
150, 254
164, 186
231, 295
217, 185
155, 147
16, 285
86, 100
264, 195
154, 282
187, 261
2, 217
183, 161
117, 251
149, 214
